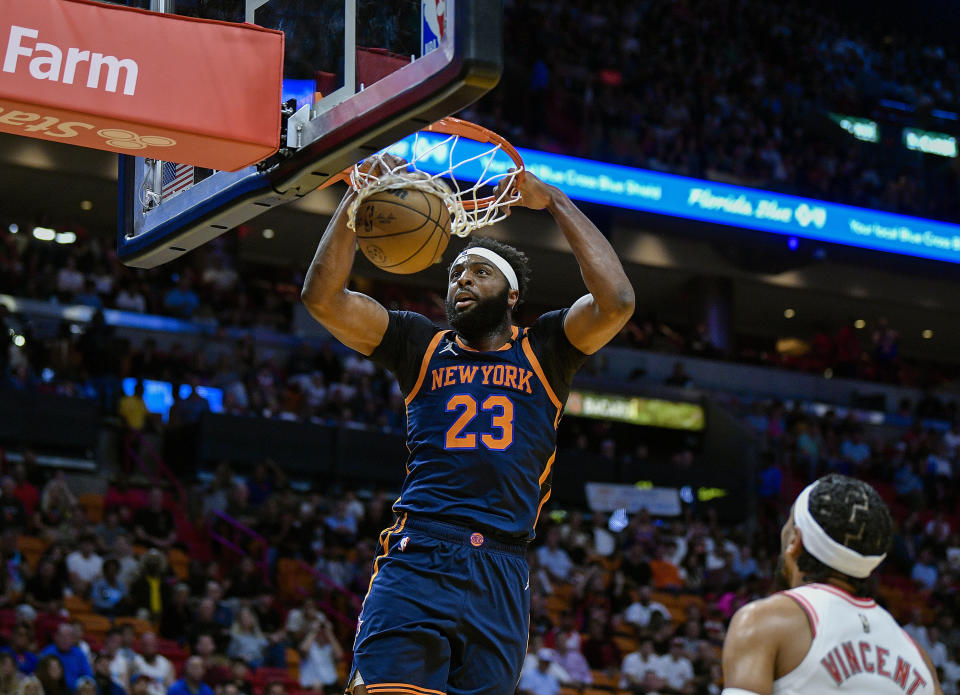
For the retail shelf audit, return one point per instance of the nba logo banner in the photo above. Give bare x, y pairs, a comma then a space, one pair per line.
433, 18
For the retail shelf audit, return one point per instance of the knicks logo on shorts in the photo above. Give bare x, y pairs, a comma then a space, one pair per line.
476, 540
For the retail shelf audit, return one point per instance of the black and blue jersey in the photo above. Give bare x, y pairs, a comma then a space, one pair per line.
481, 426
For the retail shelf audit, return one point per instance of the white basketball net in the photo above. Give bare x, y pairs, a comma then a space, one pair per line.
463, 219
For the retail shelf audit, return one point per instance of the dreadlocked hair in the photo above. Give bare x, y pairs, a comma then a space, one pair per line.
853, 514
517, 259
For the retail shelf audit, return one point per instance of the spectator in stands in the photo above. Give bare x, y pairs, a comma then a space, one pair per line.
641, 670
223, 612
303, 620
181, 301
206, 623
89, 296
599, 649
238, 504
10, 676
246, 639
118, 664
951, 672
103, 678
643, 607
57, 500
925, 572
855, 449
744, 564
25, 491
538, 681
44, 590
133, 409
274, 688
108, 531
150, 591
84, 566
78, 633
139, 685
50, 673
108, 594
20, 648
176, 616
216, 667
12, 512
127, 649
572, 660
246, 581
319, 654
240, 675
935, 647
191, 683
68, 654
553, 558
130, 298
152, 665
86, 685
13, 560
677, 669
340, 525
154, 525
69, 280
122, 551
666, 575
30, 685
602, 543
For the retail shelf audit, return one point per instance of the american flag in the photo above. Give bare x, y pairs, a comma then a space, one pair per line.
175, 178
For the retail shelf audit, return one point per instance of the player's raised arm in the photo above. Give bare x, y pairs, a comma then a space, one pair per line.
598, 316
354, 319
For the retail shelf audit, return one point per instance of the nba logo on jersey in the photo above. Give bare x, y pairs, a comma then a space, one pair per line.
433, 14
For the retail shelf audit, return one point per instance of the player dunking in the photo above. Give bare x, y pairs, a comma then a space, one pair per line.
448, 606
821, 635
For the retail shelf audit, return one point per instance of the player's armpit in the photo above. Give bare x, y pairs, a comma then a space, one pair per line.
753, 651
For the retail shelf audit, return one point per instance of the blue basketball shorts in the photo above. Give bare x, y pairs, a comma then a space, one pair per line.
447, 612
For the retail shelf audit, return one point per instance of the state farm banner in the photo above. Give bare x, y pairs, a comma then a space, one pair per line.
185, 90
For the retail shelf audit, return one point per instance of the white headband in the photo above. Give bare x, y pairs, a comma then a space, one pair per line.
824, 548
494, 258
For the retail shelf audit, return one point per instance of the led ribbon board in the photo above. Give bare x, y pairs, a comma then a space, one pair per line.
696, 199
650, 412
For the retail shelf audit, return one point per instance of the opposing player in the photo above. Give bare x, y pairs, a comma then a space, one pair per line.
821, 635
448, 606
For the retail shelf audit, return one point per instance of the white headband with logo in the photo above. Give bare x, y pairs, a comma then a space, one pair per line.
828, 551
495, 258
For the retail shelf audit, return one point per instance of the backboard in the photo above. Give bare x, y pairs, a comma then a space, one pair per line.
359, 75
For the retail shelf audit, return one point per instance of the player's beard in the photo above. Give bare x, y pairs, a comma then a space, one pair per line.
484, 318
781, 582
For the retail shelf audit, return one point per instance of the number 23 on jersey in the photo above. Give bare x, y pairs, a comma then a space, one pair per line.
501, 423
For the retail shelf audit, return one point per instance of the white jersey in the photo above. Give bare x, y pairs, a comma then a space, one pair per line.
858, 648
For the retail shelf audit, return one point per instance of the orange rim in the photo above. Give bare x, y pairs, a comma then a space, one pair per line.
472, 131
458, 126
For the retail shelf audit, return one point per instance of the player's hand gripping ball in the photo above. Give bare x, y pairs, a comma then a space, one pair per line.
402, 230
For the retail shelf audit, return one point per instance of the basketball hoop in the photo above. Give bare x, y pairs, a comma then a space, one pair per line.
471, 208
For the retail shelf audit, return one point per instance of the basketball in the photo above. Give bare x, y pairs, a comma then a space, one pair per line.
403, 230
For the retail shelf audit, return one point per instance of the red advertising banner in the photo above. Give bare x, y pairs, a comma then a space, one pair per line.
186, 90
